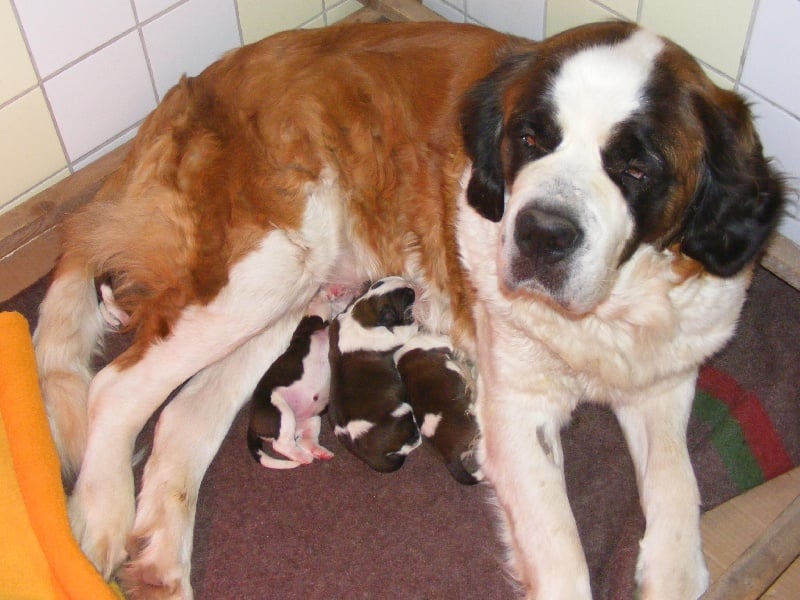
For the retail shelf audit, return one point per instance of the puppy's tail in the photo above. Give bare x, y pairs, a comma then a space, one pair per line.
67, 335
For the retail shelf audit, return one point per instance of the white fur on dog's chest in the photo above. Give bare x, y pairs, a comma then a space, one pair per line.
651, 326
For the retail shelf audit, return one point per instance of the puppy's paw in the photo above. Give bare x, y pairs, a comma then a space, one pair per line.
271, 462
293, 452
319, 452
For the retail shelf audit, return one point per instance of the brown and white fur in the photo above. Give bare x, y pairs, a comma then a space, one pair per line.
439, 391
369, 409
286, 404
582, 215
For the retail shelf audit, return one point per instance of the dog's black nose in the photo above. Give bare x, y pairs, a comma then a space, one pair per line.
545, 237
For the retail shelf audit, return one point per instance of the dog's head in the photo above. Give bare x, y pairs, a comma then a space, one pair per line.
604, 138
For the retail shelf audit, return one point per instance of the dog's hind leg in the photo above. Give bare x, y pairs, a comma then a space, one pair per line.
272, 283
189, 432
69, 331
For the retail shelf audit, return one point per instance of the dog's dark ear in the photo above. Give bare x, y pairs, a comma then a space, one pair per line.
739, 197
482, 128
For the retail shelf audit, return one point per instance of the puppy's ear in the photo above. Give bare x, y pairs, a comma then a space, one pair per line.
482, 128
739, 197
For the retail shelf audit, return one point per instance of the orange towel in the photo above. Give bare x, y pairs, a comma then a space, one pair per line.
39, 557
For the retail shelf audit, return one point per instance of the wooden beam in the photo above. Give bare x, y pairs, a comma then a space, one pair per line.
783, 259
763, 562
364, 15
403, 10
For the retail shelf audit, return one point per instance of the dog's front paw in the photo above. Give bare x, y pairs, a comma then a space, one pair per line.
100, 524
155, 570
684, 578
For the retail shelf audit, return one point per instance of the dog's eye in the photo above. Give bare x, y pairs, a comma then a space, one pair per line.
634, 172
528, 140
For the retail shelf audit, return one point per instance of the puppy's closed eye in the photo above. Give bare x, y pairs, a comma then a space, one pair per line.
388, 317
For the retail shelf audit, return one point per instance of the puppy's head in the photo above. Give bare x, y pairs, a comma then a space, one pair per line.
380, 319
383, 441
604, 138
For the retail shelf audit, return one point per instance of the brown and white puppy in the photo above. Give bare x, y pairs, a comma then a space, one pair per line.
369, 410
289, 397
582, 215
440, 395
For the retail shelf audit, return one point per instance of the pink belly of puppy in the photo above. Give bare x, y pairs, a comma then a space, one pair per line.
306, 399
308, 396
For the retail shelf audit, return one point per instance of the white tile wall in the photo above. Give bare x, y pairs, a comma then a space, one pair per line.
336, 11
172, 41
520, 17
25, 122
713, 30
628, 9
776, 33
780, 134
146, 9
451, 10
59, 32
95, 99
18, 74
261, 18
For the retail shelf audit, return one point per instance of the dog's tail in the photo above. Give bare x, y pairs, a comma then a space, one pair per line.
67, 335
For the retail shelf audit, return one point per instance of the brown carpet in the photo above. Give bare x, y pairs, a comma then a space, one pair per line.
339, 530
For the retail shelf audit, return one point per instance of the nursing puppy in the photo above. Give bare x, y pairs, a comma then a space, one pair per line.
287, 402
440, 395
368, 406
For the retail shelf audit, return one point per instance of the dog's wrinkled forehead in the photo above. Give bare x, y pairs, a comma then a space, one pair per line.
597, 88
386, 303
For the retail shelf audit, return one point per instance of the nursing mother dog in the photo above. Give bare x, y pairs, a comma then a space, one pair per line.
582, 214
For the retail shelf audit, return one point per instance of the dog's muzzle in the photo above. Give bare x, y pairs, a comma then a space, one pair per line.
545, 237
543, 242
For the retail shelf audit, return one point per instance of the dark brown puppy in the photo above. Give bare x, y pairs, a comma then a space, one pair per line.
440, 394
368, 407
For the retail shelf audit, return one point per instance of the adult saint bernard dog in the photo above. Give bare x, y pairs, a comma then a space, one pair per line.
582, 213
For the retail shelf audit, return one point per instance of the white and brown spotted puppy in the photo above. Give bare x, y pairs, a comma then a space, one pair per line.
440, 395
287, 402
368, 406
